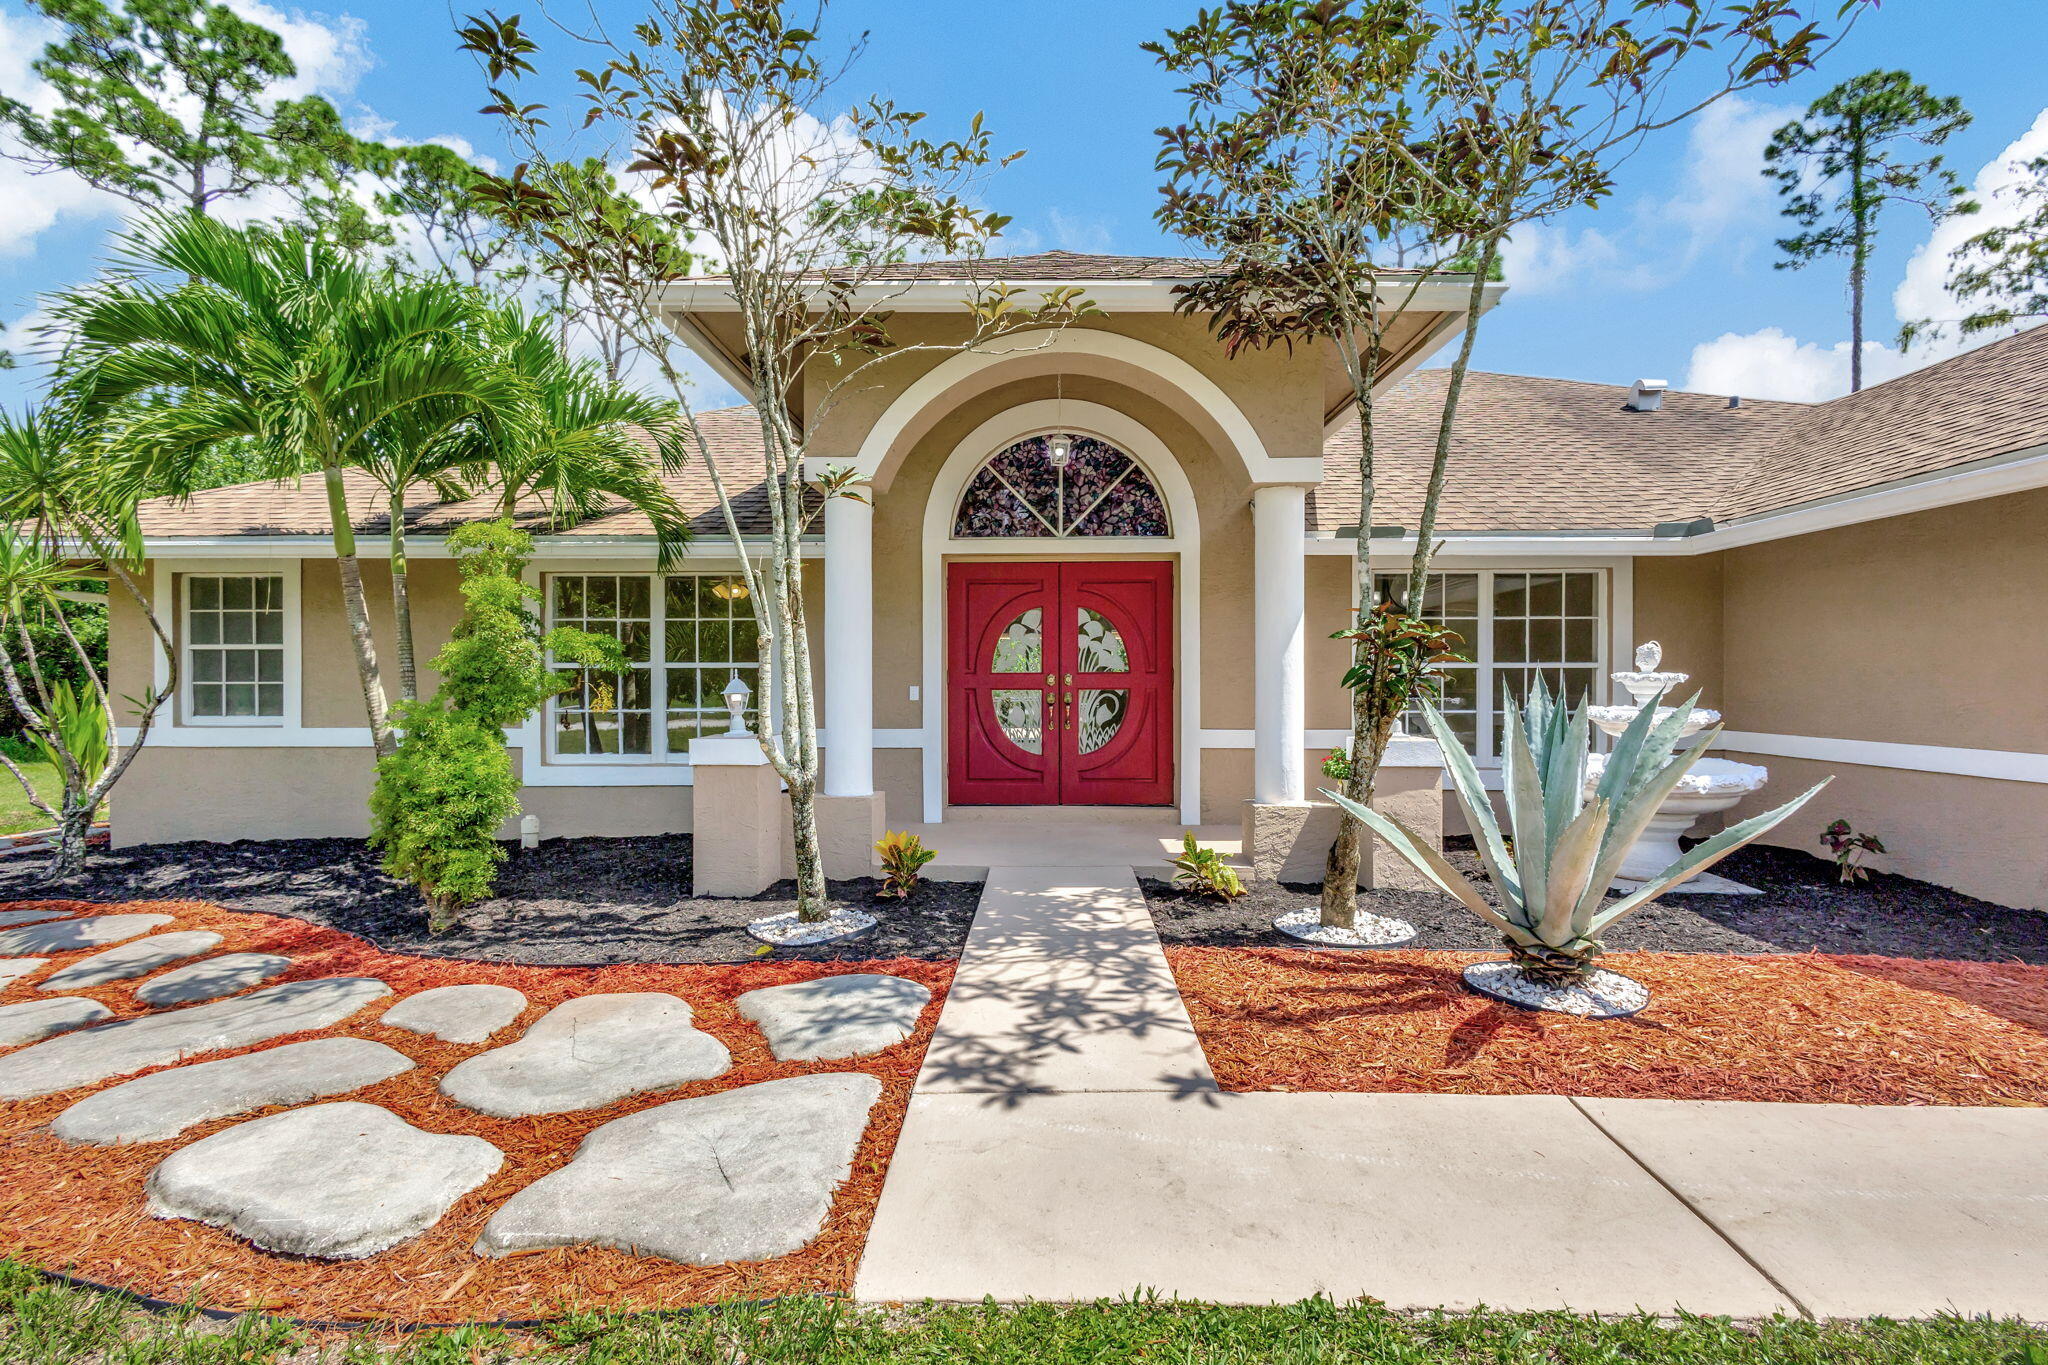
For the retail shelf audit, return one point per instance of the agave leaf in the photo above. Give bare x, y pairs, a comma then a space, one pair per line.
1703, 857
1564, 776
1430, 863
1476, 804
1658, 748
1628, 747
1571, 863
1631, 819
1523, 787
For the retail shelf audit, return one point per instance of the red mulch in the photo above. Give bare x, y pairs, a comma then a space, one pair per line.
1794, 1028
80, 1209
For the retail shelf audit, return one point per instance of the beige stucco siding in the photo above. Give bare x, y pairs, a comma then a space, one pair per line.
1924, 629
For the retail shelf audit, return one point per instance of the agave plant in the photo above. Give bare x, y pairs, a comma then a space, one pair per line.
1567, 847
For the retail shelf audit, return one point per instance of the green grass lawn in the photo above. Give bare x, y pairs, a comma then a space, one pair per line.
41, 1324
16, 814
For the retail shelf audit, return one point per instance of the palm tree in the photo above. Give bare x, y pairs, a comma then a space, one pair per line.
277, 338
573, 449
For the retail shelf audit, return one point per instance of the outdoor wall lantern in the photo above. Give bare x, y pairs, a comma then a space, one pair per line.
736, 694
1060, 448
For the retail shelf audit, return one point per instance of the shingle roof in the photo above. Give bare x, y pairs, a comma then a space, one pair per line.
300, 507
1530, 455
1560, 455
1050, 265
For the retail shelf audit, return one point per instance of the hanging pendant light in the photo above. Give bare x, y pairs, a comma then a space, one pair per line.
1060, 448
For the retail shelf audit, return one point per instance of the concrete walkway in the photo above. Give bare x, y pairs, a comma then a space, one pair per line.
1066, 1141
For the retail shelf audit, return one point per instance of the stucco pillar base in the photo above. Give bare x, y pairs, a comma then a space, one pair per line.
739, 818
1289, 841
849, 827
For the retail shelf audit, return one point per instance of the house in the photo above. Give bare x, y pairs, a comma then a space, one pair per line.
1141, 616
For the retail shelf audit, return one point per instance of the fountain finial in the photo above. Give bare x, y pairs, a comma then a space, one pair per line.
1649, 654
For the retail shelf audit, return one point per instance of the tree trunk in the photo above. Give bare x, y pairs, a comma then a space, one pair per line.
357, 607
1859, 250
813, 901
401, 604
74, 827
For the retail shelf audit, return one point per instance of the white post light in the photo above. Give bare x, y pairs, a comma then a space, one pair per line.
736, 695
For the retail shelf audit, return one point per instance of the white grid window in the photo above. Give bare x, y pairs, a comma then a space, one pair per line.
234, 646
699, 626
1515, 625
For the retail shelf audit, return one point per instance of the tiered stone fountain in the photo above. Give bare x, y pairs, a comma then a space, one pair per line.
1714, 784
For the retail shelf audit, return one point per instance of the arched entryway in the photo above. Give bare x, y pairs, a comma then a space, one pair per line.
1059, 616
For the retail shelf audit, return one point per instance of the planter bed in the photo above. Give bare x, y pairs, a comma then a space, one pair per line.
569, 902
80, 1210
1803, 909
1804, 1028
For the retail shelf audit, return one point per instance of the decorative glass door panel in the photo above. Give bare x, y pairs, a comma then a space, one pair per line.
1060, 683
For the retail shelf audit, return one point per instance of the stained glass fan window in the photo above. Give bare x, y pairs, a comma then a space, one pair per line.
1100, 491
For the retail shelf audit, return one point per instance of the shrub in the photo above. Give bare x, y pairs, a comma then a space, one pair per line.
81, 726
1203, 870
442, 796
902, 856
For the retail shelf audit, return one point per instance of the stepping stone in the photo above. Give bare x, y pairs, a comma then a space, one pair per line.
337, 1181
211, 979
457, 1014
69, 935
138, 958
586, 1053
159, 1039
13, 969
835, 1016
744, 1175
35, 1020
10, 918
167, 1103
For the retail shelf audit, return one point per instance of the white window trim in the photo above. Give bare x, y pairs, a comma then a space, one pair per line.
166, 591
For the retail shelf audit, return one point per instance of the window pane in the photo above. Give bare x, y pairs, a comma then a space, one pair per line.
1579, 641
601, 597
569, 595
241, 666
205, 594
270, 699
1511, 594
714, 642
241, 699
637, 639
206, 699
634, 689
1580, 596
1546, 641
746, 640
639, 733
633, 597
682, 690
270, 628
1546, 594
237, 594
1459, 592
238, 627
206, 665
1510, 641
569, 733
678, 596
205, 628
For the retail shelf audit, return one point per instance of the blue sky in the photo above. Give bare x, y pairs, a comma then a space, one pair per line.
1672, 278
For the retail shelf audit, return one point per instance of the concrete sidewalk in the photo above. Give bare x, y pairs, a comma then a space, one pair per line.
1066, 1141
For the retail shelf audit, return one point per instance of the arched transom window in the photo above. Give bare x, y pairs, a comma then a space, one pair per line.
1099, 491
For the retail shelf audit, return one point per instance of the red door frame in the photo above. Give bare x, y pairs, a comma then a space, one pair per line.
985, 767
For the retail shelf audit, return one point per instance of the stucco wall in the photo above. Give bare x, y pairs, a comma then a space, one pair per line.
1923, 629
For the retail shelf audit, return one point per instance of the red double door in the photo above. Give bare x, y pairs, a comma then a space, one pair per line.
1060, 683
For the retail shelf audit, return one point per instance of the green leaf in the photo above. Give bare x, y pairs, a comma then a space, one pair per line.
1704, 856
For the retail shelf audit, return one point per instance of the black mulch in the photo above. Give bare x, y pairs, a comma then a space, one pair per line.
570, 902
1804, 908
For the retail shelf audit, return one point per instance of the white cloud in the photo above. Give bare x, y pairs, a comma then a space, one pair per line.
331, 54
1923, 293
1723, 187
1771, 363
1543, 259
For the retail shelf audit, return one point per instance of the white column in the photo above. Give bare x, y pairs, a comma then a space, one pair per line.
1279, 642
850, 646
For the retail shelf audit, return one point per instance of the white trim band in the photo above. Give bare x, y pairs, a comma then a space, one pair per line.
2002, 765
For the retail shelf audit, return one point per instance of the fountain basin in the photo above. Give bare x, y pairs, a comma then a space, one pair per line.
1614, 719
1713, 785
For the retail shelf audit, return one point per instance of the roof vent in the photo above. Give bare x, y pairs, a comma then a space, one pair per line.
1647, 395
1734, 400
